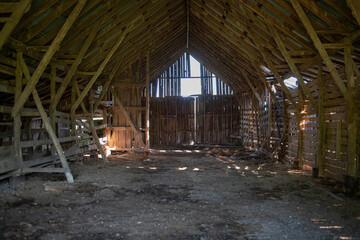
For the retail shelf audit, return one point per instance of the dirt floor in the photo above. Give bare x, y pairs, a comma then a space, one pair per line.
200, 193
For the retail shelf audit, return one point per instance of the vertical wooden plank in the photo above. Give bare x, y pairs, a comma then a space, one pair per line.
17, 118
105, 121
52, 98
338, 139
167, 122
147, 135
352, 115
320, 158
176, 121
72, 114
299, 118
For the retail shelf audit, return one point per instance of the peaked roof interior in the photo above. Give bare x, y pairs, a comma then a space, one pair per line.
232, 38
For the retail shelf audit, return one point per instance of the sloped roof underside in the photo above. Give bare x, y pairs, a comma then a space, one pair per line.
230, 37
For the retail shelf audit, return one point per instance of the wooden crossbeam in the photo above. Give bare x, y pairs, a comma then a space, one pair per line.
100, 69
14, 19
319, 46
292, 66
47, 57
137, 133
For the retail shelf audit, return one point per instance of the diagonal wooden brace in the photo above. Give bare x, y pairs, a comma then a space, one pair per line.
137, 133
53, 137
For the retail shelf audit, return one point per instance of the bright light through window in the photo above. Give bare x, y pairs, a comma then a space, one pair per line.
190, 86
291, 82
195, 67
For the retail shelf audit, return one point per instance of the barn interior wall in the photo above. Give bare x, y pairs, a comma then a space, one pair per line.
304, 144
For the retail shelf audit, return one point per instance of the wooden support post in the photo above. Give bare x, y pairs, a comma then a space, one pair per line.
14, 19
292, 66
320, 157
72, 114
285, 128
147, 135
52, 95
270, 123
338, 139
30, 86
299, 159
53, 137
319, 46
137, 133
17, 118
100, 69
353, 116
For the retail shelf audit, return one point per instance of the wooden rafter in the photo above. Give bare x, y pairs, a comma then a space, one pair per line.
47, 57
355, 9
74, 67
13, 20
319, 46
100, 69
276, 73
293, 67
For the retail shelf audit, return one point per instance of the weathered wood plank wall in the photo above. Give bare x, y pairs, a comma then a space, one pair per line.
335, 151
172, 121
120, 135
